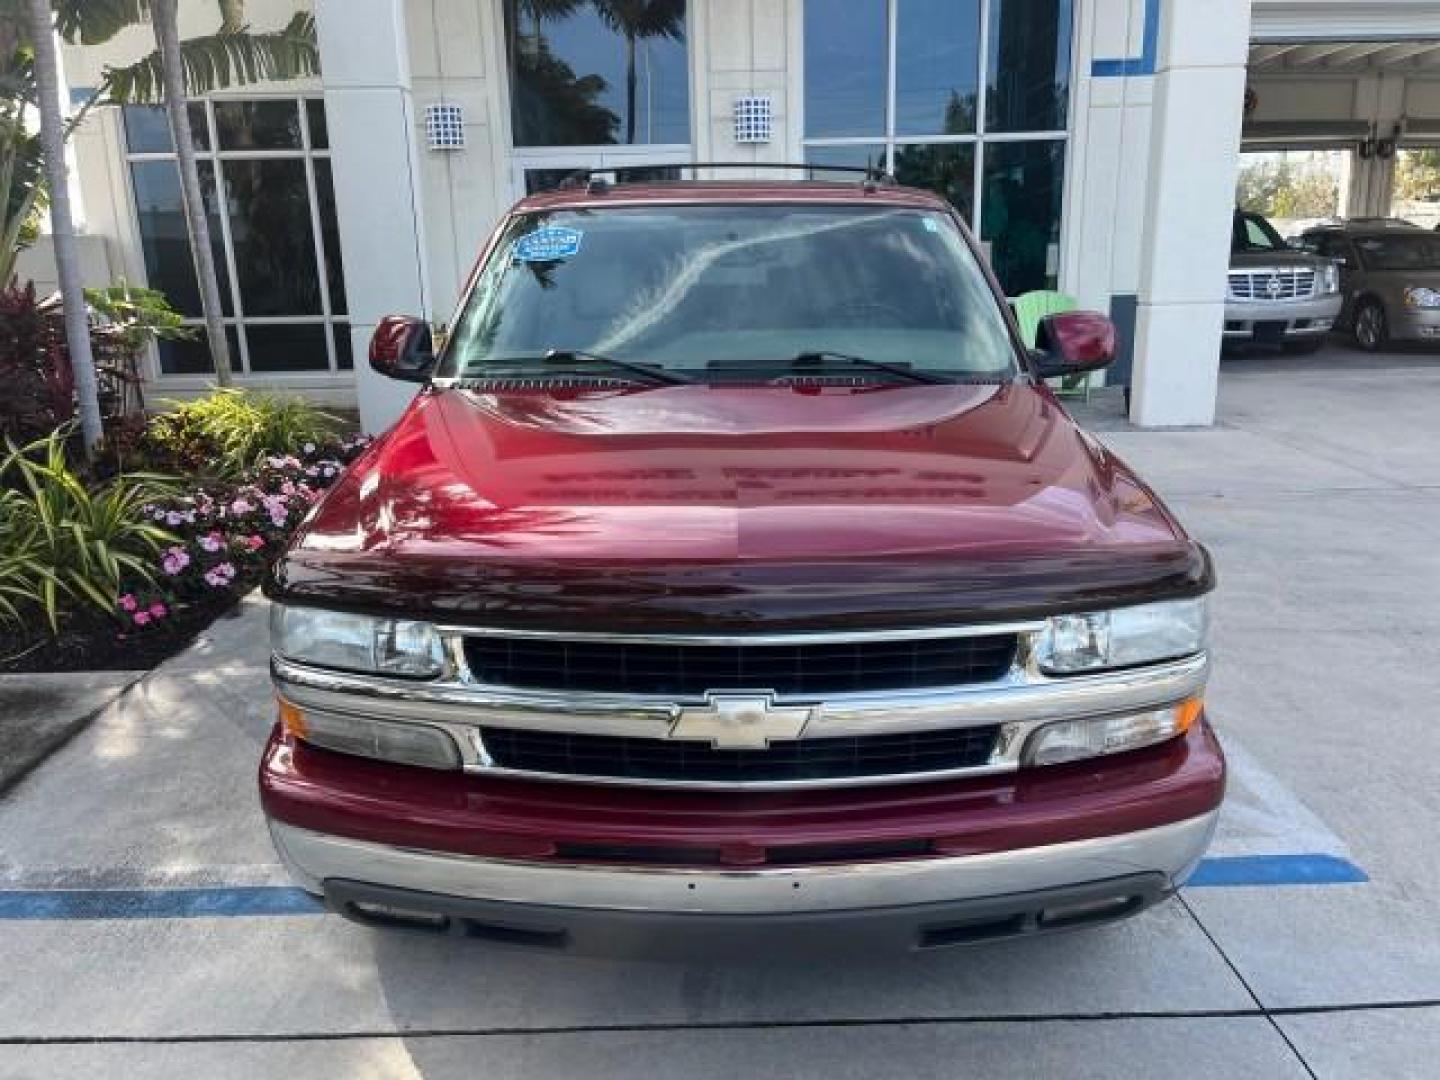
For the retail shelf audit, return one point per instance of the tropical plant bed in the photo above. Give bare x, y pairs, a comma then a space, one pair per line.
210, 544
90, 641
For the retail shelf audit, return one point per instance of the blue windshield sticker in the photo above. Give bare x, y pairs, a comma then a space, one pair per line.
930, 225
550, 244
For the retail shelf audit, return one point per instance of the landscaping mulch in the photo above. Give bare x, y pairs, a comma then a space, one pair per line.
90, 641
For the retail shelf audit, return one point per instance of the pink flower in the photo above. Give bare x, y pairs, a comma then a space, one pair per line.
158, 610
220, 575
254, 543
241, 506
129, 603
141, 618
176, 559
212, 541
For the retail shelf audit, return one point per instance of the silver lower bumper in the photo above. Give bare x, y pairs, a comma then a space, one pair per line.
1172, 850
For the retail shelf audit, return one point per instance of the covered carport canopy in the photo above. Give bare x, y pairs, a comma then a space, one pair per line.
1358, 76
1308, 73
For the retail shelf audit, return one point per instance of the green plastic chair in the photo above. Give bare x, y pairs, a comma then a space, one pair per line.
1029, 309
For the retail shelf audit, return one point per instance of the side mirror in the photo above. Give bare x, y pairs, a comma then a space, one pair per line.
402, 348
1073, 342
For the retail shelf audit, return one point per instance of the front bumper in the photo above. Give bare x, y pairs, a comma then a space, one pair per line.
1040, 850
1291, 320
1416, 324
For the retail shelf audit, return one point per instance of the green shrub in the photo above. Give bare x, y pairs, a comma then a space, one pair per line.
230, 430
64, 545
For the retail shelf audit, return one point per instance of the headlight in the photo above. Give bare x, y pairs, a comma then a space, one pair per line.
336, 639
1330, 279
1123, 637
1418, 296
1073, 740
387, 740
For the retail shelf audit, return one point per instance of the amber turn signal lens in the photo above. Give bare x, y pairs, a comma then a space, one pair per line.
1187, 712
292, 719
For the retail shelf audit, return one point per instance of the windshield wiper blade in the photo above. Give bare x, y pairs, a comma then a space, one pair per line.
818, 356
491, 368
648, 371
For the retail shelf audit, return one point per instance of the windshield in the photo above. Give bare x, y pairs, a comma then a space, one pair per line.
731, 291
1251, 232
1410, 252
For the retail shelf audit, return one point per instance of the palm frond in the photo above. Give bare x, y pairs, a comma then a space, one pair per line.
93, 22
223, 60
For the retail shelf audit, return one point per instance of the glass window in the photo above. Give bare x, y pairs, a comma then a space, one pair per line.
1020, 217
269, 196
164, 241
953, 103
270, 228
589, 74
845, 67
937, 67
319, 129
850, 156
946, 168
258, 125
728, 292
1251, 232
192, 357
147, 129
344, 349
288, 347
1029, 65
1404, 251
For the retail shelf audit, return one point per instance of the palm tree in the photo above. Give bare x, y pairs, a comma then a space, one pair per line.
22, 183
178, 70
636, 20
62, 224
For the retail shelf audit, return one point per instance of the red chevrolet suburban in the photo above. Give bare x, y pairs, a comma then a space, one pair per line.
735, 577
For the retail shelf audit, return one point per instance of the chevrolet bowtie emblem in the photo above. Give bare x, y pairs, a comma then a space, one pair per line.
740, 721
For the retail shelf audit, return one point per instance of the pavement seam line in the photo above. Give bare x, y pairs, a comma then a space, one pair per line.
723, 1025
1274, 1024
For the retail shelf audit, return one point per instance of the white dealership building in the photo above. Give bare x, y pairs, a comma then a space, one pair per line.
1092, 144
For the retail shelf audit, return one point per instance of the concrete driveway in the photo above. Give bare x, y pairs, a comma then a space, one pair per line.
145, 931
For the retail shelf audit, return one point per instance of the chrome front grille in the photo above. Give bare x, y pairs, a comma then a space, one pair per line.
811, 710
1280, 283
685, 670
906, 754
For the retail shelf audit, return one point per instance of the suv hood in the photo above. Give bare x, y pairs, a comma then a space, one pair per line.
696, 506
1247, 260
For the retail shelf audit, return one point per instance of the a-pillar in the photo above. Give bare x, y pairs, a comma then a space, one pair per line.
1194, 155
370, 117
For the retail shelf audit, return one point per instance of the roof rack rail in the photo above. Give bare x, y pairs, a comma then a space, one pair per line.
595, 181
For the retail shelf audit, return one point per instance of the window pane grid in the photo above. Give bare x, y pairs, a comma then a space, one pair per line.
1000, 73
283, 129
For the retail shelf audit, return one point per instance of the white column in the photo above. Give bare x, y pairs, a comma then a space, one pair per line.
1194, 155
370, 116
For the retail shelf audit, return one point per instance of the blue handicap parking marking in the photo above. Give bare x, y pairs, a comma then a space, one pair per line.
1306, 869
156, 903
261, 900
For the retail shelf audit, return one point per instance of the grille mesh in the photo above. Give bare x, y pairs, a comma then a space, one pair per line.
798, 759
620, 667
1272, 284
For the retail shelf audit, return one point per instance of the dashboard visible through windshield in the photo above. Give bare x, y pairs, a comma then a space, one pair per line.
714, 292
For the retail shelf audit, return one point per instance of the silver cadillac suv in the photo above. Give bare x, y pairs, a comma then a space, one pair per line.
1277, 295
